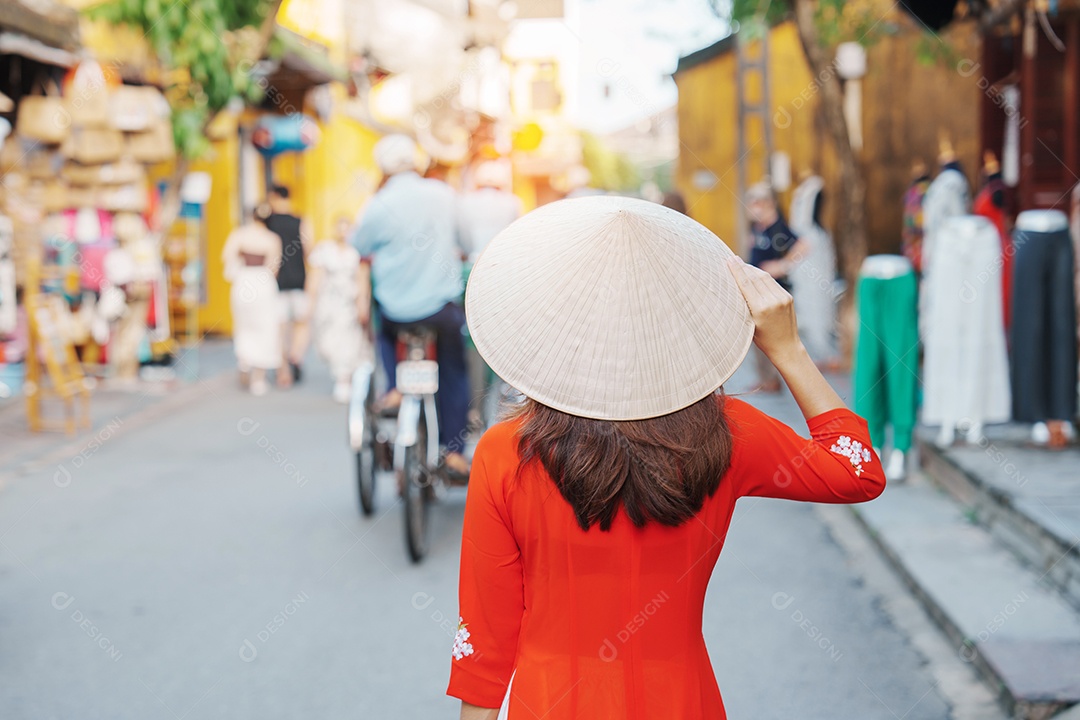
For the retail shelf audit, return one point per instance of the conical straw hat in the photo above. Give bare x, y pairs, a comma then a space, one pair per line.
608, 308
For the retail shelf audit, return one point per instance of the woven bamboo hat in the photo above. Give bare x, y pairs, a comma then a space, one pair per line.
609, 308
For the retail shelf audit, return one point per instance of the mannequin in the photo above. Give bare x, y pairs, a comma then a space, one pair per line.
886, 355
813, 275
1074, 229
1043, 333
947, 196
966, 365
912, 230
990, 203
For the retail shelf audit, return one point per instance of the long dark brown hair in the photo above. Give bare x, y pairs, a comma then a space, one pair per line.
660, 469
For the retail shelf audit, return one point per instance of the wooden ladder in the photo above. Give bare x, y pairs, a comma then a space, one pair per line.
751, 73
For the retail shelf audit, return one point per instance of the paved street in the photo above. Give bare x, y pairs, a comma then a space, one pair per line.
212, 563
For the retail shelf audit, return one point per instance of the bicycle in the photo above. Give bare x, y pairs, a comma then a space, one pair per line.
408, 444
416, 444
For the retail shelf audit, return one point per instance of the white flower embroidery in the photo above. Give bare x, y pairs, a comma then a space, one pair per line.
853, 450
461, 647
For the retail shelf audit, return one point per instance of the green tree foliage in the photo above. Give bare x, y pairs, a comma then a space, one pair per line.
837, 20
206, 47
609, 170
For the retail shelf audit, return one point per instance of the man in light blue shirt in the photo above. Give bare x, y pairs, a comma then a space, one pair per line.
409, 232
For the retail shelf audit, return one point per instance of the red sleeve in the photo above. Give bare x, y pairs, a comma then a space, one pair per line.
491, 593
837, 465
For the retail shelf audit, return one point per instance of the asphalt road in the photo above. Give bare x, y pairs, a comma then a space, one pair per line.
213, 564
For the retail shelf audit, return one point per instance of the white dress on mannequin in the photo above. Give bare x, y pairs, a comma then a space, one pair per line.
948, 196
813, 277
966, 364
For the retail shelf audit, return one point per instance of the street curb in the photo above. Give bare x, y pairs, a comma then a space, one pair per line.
994, 510
173, 402
956, 681
1016, 707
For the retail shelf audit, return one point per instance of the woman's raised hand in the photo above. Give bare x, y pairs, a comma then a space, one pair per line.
772, 309
777, 334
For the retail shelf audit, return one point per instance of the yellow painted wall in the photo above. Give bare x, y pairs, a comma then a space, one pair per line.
525, 189
708, 130
221, 215
906, 104
335, 177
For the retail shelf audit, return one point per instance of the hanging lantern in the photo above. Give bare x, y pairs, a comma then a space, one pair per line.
276, 134
529, 137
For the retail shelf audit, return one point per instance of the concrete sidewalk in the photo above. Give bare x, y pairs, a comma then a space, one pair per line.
197, 372
986, 535
1028, 497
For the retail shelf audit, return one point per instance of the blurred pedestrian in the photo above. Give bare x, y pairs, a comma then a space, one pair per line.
595, 516
775, 249
486, 210
911, 232
292, 277
482, 213
409, 231
252, 256
339, 289
673, 199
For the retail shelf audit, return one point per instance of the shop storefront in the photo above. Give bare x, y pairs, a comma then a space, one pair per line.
83, 292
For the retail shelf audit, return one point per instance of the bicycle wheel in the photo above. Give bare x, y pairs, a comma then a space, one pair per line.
416, 484
365, 456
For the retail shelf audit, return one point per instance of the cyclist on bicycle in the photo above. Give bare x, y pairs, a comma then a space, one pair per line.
409, 231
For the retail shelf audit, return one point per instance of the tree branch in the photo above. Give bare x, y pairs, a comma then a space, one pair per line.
851, 228
171, 202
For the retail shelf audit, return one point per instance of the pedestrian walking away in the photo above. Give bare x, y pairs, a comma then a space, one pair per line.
251, 256
339, 290
292, 278
596, 514
487, 209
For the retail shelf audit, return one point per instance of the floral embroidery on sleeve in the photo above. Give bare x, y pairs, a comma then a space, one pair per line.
853, 450
461, 645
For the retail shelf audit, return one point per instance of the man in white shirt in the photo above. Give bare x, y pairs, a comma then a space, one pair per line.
485, 211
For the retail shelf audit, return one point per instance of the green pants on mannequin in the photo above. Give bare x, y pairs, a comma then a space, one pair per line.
886, 357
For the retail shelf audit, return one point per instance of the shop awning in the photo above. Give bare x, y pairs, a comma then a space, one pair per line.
12, 43
296, 62
293, 66
48, 22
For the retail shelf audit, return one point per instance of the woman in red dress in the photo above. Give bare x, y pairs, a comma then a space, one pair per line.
596, 513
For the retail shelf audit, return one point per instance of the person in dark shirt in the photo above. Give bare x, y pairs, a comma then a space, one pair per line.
292, 277
775, 249
776, 246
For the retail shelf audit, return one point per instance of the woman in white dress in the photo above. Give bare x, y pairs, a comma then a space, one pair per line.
339, 288
252, 256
